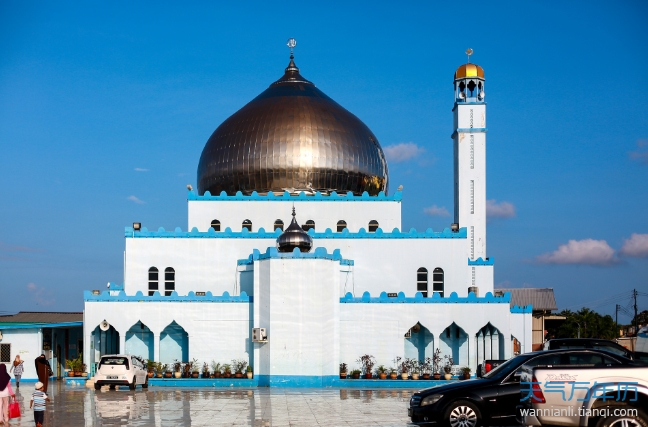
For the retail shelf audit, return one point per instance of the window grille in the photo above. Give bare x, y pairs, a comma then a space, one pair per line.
472, 151
471, 118
472, 242
169, 281
310, 224
278, 224
153, 283
472, 196
215, 224
373, 226
422, 281
341, 225
438, 281
5, 353
247, 224
473, 276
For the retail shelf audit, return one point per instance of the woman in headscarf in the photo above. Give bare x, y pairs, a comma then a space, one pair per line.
5, 394
17, 368
43, 370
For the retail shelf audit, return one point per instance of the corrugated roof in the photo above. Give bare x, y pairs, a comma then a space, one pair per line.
42, 317
539, 298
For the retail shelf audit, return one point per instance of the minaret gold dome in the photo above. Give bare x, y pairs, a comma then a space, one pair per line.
469, 70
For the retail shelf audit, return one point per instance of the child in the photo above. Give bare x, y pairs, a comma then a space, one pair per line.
38, 401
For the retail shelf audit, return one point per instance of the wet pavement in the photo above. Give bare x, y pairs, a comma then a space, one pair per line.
76, 405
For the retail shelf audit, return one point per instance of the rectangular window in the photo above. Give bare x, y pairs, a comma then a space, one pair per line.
472, 242
472, 151
472, 196
473, 276
5, 353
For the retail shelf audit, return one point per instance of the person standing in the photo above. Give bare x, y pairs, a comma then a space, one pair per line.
38, 401
17, 368
43, 370
5, 394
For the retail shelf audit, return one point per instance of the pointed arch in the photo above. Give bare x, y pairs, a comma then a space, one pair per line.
419, 342
174, 343
453, 342
493, 342
139, 341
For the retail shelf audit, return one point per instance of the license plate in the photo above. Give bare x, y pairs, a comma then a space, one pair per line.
410, 412
113, 378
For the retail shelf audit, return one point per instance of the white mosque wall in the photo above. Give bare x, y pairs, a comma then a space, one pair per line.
389, 265
297, 301
263, 213
521, 329
27, 343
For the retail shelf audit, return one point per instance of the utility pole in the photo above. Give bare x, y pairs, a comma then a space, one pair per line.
634, 294
616, 320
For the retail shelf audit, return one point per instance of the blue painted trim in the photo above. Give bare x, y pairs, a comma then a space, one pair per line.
203, 382
436, 299
174, 297
527, 309
273, 253
328, 234
42, 325
376, 383
301, 381
302, 197
468, 130
27, 380
480, 261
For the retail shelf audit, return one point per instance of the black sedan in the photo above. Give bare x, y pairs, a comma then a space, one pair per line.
493, 398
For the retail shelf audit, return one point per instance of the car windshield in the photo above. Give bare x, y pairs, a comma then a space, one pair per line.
507, 366
115, 361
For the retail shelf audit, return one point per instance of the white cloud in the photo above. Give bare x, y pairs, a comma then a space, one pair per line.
636, 246
141, 170
40, 295
586, 251
499, 210
641, 153
435, 210
135, 199
402, 152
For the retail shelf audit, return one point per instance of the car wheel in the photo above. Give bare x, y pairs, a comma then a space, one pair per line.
133, 385
112, 386
145, 385
638, 419
462, 414
97, 386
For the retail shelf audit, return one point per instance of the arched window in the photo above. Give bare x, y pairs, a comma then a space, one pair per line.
215, 224
309, 224
341, 225
153, 281
422, 281
437, 281
169, 281
247, 224
278, 224
373, 226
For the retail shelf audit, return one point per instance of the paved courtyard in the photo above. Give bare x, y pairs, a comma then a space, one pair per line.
80, 406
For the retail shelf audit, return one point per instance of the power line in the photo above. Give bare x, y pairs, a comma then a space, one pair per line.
622, 295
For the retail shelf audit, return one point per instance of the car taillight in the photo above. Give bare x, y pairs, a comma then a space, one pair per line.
488, 367
537, 391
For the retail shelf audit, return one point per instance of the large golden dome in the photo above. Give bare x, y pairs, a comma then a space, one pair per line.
469, 70
292, 137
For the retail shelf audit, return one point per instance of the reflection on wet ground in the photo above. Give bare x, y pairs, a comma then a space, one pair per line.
80, 406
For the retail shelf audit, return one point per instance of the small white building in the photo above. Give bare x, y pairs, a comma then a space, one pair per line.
362, 285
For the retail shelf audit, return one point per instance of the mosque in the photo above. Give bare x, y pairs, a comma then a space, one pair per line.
294, 258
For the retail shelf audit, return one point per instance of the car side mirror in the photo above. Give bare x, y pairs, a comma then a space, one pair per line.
517, 377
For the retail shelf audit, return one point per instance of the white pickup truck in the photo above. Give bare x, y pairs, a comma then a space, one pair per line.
594, 394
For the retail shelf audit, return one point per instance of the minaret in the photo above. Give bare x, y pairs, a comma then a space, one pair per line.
470, 156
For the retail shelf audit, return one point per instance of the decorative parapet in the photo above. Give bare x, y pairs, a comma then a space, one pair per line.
302, 197
156, 297
435, 299
480, 261
273, 253
263, 234
527, 309
115, 287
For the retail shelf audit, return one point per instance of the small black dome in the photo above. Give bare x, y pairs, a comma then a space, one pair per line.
294, 237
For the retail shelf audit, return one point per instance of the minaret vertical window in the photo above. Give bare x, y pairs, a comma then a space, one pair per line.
310, 224
341, 225
422, 281
472, 242
437, 281
215, 224
247, 224
169, 281
472, 151
373, 226
472, 196
153, 282
278, 224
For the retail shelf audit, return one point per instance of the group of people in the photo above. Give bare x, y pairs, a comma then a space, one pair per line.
39, 396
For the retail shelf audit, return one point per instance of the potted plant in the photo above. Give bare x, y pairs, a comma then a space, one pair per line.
382, 372
239, 367
466, 372
216, 369
70, 366
227, 370
150, 367
393, 374
163, 370
250, 374
405, 365
367, 361
343, 371
415, 369
425, 365
447, 368
205, 369
356, 374
177, 369
436, 364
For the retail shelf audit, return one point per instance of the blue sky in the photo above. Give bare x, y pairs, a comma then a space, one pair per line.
105, 109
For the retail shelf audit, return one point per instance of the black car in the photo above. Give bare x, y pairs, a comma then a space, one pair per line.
493, 398
593, 343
